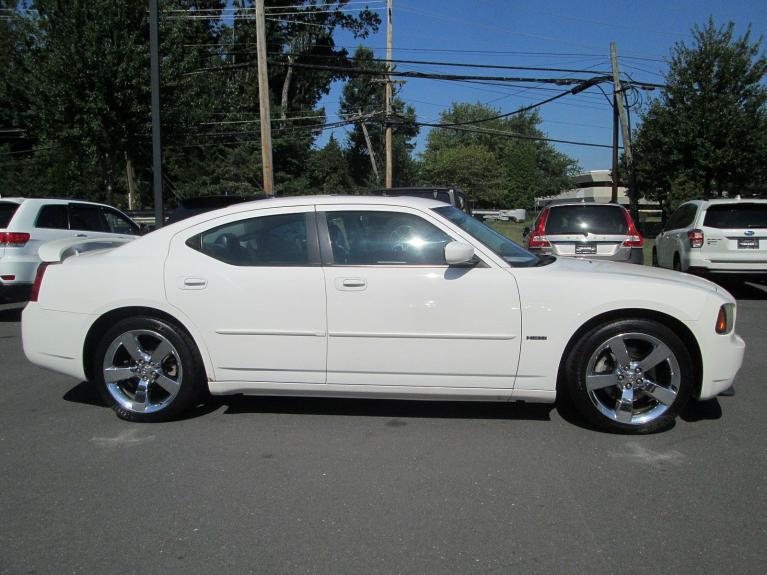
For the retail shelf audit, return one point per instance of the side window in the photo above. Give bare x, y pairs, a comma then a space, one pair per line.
385, 238
87, 218
53, 216
119, 224
262, 241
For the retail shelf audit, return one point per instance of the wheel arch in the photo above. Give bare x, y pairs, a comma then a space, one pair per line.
108, 319
688, 338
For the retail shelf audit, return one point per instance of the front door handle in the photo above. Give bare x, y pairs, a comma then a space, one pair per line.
192, 283
351, 284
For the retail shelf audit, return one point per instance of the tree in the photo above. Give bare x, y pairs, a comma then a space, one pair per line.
514, 168
707, 134
365, 96
328, 172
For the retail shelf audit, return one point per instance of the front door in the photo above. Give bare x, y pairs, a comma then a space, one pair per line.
399, 316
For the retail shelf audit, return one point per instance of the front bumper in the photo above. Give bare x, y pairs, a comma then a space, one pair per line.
722, 358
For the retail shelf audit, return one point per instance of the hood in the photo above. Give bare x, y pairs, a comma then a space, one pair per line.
628, 271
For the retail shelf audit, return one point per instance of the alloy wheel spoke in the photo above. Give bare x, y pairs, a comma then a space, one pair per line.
168, 384
596, 381
131, 344
659, 354
624, 407
112, 374
618, 347
662, 394
141, 398
161, 351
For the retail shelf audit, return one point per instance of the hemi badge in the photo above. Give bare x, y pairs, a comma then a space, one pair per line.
537, 337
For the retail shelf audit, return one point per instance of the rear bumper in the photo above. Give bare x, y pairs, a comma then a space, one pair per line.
634, 256
741, 272
14, 293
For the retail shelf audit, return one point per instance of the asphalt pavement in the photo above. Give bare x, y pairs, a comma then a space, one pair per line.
287, 485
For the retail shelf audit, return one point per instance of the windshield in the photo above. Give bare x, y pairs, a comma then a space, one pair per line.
515, 255
7, 209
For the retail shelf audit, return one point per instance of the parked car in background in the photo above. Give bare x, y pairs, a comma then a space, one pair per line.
452, 196
26, 223
189, 207
725, 238
375, 297
587, 230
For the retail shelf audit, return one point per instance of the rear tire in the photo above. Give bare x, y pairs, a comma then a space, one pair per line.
677, 263
630, 376
654, 258
148, 369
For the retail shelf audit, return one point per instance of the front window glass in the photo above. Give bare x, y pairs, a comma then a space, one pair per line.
502, 246
385, 238
734, 216
278, 240
119, 224
87, 218
608, 220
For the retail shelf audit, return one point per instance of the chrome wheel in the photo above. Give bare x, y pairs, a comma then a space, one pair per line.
633, 378
142, 371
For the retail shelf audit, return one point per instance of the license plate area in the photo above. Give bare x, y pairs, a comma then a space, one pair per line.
748, 243
585, 249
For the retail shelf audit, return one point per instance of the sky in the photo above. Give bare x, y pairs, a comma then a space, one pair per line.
547, 33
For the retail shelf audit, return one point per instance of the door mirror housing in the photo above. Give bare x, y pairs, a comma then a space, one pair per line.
457, 253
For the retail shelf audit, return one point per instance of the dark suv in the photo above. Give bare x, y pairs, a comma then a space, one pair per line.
452, 196
593, 231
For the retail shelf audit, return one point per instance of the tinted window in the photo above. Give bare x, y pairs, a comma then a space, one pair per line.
385, 238
262, 241
88, 218
682, 217
7, 209
119, 224
736, 216
53, 216
585, 219
502, 246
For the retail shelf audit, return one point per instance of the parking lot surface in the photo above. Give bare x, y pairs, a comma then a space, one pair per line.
286, 485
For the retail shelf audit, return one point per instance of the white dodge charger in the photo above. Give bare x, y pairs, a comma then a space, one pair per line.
374, 297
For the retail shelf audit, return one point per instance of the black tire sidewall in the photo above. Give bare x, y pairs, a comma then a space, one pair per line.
191, 365
577, 363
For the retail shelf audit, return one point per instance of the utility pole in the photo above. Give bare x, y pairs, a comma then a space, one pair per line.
388, 94
370, 150
614, 195
620, 99
154, 62
263, 100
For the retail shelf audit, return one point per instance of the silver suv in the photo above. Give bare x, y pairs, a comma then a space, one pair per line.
26, 223
593, 231
725, 237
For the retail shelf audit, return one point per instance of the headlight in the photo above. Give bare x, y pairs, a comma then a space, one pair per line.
725, 320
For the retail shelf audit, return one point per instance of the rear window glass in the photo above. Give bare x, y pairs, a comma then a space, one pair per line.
736, 216
7, 209
585, 219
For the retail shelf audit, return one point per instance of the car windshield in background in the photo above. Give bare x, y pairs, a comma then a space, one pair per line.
595, 219
7, 209
731, 216
514, 254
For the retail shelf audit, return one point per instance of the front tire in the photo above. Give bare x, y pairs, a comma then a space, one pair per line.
148, 369
630, 376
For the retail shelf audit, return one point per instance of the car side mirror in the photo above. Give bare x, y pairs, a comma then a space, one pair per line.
457, 253
526, 232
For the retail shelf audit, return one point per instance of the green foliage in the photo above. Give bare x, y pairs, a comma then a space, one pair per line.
496, 170
707, 134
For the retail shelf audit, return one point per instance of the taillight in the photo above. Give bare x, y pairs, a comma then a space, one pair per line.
696, 238
634, 239
38, 281
538, 237
16, 239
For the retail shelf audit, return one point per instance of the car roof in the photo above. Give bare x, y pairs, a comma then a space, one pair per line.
53, 201
583, 204
715, 201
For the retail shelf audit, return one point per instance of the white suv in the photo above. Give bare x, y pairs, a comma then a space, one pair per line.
26, 223
725, 237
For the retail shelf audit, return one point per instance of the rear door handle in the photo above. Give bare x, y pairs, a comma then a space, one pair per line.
351, 284
193, 283
81, 235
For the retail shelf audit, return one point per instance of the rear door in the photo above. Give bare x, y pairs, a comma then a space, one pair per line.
735, 234
588, 230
